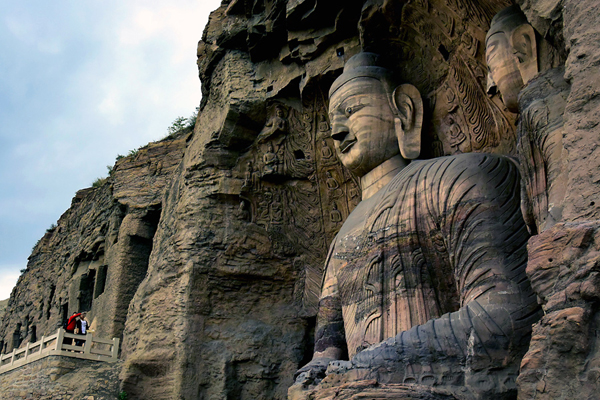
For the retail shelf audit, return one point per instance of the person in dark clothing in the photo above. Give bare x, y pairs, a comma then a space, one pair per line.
81, 329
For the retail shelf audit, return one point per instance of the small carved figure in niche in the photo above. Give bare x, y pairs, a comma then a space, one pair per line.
277, 124
451, 98
511, 55
456, 137
386, 285
248, 181
326, 152
263, 209
270, 160
335, 215
281, 155
332, 184
323, 124
242, 212
438, 146
276, 210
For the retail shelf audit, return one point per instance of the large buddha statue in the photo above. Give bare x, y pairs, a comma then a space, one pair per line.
425, 282
528, 85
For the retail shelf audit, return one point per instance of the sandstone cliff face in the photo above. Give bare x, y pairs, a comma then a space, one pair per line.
96, 256
3, 304
562, 361
205, 252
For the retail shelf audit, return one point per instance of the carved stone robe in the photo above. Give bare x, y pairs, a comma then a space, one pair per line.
435, 261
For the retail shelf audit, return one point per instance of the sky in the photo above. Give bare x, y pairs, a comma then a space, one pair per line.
80, 83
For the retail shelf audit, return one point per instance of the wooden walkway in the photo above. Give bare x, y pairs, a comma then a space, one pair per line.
92, 349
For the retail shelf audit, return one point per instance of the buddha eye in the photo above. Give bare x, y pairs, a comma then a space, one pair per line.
348, 111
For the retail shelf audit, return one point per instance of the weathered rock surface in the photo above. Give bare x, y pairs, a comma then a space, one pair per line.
563, 360
3, 305
372, 390
58, 378
205, 251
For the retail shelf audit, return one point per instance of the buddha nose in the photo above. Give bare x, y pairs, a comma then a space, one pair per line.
339, 129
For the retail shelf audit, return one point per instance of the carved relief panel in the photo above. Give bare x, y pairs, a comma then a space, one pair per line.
295, 189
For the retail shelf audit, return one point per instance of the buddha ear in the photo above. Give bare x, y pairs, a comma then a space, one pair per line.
408, 108
523, 41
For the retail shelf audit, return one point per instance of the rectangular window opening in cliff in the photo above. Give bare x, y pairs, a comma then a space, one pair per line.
86, 288
32, 334
100, 281
65, 314
16, 342
50, 298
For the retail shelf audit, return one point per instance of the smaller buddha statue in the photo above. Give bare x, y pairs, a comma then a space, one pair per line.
539, 94
270, 159
511, 55
335, 215
276, 124
326, 152
242, 212
248, 176
332, 184
276, 210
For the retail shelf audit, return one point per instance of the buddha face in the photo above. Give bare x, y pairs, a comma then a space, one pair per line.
511, 53
503, 68
362, 124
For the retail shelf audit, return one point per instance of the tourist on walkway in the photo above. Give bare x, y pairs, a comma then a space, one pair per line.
81, 329
71, 326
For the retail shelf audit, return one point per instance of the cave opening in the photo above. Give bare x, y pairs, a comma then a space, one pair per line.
86, 287
100, 281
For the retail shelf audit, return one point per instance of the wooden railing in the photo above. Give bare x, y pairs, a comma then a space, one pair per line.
62, 344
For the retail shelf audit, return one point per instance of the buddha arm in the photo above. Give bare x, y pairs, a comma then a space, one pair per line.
330, 340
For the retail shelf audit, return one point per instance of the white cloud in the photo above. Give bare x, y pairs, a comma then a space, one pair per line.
25, 30
8, 280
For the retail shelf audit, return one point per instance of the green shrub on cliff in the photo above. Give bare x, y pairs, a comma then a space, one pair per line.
99, 182
179, 124
182, 123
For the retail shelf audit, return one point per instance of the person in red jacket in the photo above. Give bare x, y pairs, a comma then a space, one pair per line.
71, 325
72, 322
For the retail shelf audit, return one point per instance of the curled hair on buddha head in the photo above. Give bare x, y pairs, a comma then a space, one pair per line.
507, 20
365, 65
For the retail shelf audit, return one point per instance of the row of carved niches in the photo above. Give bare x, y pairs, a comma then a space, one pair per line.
294, 187
439, 46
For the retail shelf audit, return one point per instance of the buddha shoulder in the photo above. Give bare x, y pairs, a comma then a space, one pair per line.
475, 168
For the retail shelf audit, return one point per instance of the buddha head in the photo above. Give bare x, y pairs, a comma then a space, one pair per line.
511, 54
372, 119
